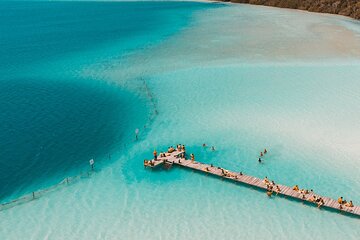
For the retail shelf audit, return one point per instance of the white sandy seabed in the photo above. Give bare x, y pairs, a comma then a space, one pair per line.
240, 78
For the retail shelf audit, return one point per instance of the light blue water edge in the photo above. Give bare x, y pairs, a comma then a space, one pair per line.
304, 114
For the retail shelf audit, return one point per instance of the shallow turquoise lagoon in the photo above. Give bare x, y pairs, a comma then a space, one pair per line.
240, 78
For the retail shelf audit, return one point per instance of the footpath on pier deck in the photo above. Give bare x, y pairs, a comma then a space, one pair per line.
173, 158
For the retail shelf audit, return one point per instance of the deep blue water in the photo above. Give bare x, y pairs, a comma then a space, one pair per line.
52, 125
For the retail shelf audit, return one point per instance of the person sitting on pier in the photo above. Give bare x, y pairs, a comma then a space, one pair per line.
320, 202
349, 204
296, 188
266, 180
269, 190
340, 200
272, 183
278, 190
312, 199
183, 148
225, 173
192, 156
241, 173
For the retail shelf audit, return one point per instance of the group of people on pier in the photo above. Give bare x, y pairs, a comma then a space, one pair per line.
318, 200
171, 149
343, 202
271, 187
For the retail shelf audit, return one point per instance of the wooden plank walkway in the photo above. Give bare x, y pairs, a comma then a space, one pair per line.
173, 158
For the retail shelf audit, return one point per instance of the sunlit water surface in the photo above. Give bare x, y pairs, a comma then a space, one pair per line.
238, 77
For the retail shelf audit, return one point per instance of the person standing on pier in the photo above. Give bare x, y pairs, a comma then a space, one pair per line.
155, 155
192, 158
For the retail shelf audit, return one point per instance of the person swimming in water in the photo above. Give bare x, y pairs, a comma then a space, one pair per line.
265, 151
259, 160
212, 148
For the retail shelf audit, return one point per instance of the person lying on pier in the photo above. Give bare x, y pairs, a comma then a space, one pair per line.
171, 149
148, 162
312, 199
207, 169
296, 188
349, 204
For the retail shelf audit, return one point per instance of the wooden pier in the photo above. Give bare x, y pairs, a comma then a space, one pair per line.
174, 158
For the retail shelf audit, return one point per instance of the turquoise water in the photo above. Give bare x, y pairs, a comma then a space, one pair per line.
233, 76
53, 118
